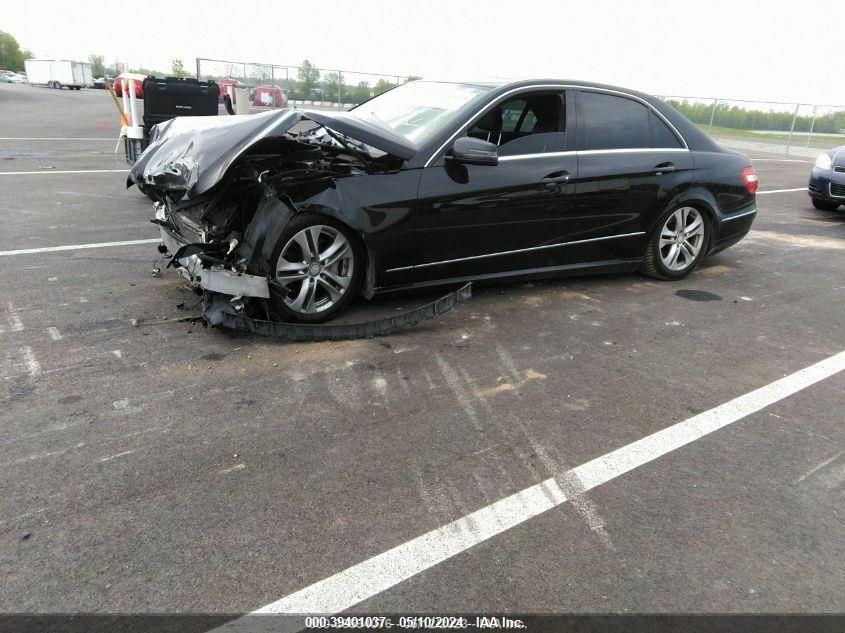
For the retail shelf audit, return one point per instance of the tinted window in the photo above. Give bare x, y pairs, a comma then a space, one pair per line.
610, 122
661, 135
531, 124
511, 115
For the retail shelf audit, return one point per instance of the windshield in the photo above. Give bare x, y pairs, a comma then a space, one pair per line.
419, 109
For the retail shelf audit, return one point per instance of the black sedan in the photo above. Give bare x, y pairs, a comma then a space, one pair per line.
827, 182
434, 183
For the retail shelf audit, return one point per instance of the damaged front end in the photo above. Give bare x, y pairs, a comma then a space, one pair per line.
226, 188
223, 245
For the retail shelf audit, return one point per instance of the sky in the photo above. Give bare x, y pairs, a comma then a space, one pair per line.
743, 49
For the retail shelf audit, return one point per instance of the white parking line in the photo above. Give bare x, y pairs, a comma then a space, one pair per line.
33, 367
55, 138
75, 247
760, 193
782, 160
15, 322
63, 171
381, 572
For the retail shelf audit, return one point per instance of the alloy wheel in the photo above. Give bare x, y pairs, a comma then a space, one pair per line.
315, 269
681, 239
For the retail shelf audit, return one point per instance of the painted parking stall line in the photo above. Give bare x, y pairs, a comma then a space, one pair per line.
762, 193
781, 160
55, 138
383, 571
75, 247
53, 172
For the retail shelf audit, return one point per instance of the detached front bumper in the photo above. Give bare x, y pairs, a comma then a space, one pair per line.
213, 277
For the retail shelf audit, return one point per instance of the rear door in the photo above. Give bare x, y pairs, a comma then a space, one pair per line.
473, 220
630, 166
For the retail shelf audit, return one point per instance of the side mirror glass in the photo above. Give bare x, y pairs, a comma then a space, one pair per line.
473, 151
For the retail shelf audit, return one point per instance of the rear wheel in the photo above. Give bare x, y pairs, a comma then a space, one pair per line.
319, 265
677, 245
823, 205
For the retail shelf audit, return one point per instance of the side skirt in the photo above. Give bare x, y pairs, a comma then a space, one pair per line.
565, 270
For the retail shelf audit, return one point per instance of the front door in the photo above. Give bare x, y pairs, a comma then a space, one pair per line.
473, 220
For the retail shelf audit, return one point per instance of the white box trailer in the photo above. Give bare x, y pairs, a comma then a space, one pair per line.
58, 73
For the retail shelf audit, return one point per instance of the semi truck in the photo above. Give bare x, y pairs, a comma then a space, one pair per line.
59, 73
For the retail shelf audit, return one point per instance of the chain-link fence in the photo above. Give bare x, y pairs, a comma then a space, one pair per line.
274, 86
790, 129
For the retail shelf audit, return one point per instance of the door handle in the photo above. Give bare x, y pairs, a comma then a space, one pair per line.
555, 178
664, 168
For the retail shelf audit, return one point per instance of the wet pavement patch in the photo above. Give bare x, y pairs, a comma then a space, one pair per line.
698, 295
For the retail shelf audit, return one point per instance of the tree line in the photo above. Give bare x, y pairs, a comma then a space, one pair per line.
309, 83
100, 69
738, 118
333, 86
11, 56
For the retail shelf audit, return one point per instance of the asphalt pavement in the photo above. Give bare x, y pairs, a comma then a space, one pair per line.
153, 465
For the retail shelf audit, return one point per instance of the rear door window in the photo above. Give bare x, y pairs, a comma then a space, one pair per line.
661, 135
611, 122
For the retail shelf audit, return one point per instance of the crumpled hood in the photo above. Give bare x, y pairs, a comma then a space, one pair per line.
193, 153
368, 133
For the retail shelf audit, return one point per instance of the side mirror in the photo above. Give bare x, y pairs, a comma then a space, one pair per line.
473, 151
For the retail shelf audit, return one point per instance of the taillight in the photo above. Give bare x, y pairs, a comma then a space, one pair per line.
749, 177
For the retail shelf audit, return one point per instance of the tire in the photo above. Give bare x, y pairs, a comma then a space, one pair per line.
678, 244
317, 269
823, 205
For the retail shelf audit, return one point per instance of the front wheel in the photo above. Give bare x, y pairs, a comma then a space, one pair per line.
823, 205
319, 266
677, 245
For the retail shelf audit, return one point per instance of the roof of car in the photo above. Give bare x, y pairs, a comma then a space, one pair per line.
516, 82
